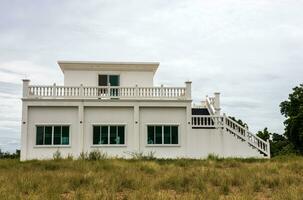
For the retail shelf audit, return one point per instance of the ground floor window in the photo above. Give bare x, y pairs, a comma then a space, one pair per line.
162, 134
52, 135
108, 134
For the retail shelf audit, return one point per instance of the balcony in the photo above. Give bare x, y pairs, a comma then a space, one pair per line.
105, 92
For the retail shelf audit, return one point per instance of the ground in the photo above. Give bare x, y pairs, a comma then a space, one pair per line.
278, 178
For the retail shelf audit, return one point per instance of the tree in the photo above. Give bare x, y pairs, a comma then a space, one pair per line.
239, 121
265, 134
292, 109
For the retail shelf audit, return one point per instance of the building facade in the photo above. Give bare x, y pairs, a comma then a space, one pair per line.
114, 107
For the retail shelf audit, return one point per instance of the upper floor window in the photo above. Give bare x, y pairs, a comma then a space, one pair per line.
162, 134
112, 80
52, 135
108, 134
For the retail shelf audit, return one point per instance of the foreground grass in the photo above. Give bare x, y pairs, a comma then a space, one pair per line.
280, 178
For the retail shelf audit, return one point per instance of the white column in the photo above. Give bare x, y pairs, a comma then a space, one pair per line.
268, 148
136, 123
188, 126
25, 87
188, 90
217, 103
81, 138
24, 132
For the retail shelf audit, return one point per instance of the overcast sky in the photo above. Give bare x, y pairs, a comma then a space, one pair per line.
250, 51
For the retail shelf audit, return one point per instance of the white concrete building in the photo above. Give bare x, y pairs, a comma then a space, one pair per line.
114, 107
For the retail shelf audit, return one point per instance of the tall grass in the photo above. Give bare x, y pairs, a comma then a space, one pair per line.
278, 178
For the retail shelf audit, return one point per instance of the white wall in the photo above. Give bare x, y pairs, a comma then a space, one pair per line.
109, 115
202, 142
90, 78
197, 143
52, 115
163, 116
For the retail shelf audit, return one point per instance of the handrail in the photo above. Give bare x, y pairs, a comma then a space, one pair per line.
210, 105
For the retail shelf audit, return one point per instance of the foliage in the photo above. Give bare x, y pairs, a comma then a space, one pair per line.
5, 155
278, 178
93, 155
139, 155
292, 109
97, 155
239, 121
265, 134
57, 155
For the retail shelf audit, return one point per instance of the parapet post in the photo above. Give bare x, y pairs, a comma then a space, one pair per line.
188, 90
217, 103
25, 87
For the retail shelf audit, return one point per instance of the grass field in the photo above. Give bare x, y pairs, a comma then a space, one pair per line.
278, 178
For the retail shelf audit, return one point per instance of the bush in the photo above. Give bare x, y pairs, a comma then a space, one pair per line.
97, 155
57, 155
139, 155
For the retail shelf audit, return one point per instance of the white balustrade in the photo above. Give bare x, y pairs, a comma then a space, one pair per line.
106, 92
232, 127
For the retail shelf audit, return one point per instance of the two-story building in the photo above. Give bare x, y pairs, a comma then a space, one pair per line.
115, 107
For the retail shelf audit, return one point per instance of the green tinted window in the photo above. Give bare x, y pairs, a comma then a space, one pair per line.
40, 135
57, 134
167, 135
150, 135
96, 134
65, 135
104, 135
48, 135
121, 133
158, 134
174, 135
114, 80
113, 134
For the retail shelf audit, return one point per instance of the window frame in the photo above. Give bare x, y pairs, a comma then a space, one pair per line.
108, 124
52, 145
162, 126
108, 81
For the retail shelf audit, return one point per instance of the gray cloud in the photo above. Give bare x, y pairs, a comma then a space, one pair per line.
249, 50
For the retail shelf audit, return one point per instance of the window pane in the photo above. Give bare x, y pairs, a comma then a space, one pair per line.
104, 135
158, 134
150, 135
57, 135
39, 135
96, 134
167, 135
121, 135
102, 80
113, 134
48, 135
65, 135
174, 134
114, 80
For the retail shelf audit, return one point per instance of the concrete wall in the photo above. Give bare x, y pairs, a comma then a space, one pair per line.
51, 115
202, 142
107, 116
193, 143
162, 116
90, 78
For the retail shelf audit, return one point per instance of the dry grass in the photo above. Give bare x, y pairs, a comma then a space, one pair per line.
280, 178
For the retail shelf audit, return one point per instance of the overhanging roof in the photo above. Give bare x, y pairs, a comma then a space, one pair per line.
108, 66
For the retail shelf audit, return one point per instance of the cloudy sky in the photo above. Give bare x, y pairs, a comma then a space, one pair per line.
248, 50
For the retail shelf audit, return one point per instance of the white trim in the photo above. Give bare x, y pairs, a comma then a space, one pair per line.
53, 146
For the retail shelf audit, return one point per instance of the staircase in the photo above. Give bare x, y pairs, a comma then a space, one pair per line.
229, 126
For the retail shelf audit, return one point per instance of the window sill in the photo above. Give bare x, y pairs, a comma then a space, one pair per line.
163, 145
52, 146
108, 145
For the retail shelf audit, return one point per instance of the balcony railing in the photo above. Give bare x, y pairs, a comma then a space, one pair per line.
87, 92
